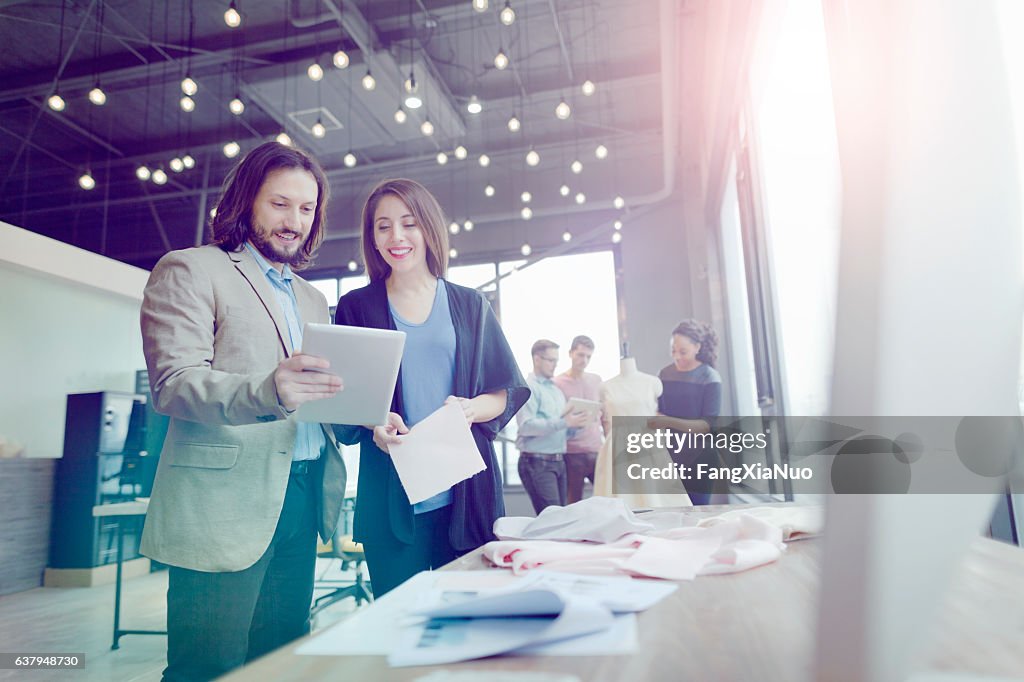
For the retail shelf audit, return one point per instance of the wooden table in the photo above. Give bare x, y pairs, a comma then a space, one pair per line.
757, 625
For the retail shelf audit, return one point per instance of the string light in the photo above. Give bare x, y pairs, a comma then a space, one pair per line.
318, 129
177, 165
427, 128
616, 237
400, 116
452, 253
454, 227
340, 59
618, 202
485, 161
461, 153
480, 5
350, 160
86, 181
369, 82
56, 102
564, 190
284, 138
187, 104
532, 157
566, 236
601, 152
562, 111
159, 177
489, 191
525, 249
97, 96
231, 149
189, 86
501, 60
514, 124
231, 17
442, 158
188, 161
353, 266
526, 197
142, 173
526, 212
315, 71
467, 225
588, 87
507, 14
576, 167
474, 106
617, 225
236, 106
580, 197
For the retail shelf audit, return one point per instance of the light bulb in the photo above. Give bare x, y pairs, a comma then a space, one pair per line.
350, 160
566, 236
616, 237
489, 191
507, 14
400, 115
525, 250
513, 124
159, 177
189, 86
236, 106
442, 158
526, 197
188, 161
454, 227
187, 104
412, 101
213, 213
580, 197
452, 253
56, 102
177, 165
474, 106
460, 152
369, 82
97, 96
231, 149
231, 17
480, 5
353, 266
340, 59
410, 83
427, 128
588, 87
318, 129
315, 71
142, 173
526, 212
467, 225
485, 161
562, 111
576, 167
284, 138
501, 60
617, 225
532, 158
86, 181
601, 152
564, 190
618, 202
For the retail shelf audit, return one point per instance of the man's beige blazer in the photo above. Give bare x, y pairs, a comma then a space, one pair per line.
213, 333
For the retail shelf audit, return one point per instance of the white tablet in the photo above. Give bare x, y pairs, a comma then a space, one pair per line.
591, 407
367, 360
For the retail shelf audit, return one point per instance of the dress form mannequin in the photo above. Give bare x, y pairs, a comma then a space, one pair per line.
632, 394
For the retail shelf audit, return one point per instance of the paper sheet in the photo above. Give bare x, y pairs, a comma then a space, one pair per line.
436, 454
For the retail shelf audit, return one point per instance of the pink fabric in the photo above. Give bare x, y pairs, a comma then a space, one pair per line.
588, 387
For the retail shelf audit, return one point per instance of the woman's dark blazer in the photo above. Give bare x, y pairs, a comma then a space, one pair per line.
483, 364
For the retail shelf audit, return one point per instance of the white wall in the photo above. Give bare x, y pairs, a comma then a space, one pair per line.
70, 324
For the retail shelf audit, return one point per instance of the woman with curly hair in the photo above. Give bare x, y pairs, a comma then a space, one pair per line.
692, 396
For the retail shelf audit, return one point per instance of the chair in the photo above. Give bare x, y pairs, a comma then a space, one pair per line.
341, 546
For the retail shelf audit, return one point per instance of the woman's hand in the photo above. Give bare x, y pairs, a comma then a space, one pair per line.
468, 409
387, 433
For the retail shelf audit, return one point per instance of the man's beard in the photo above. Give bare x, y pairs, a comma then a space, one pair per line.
261, 239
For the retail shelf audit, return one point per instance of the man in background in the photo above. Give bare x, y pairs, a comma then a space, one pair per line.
582, 447
543, 429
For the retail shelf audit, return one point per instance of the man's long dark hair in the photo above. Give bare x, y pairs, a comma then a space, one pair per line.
231, 227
